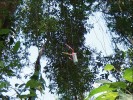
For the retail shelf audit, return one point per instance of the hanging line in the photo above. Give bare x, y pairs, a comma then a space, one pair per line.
103, 45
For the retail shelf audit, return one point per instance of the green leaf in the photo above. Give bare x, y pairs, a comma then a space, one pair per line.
10, 73
100, 89
107, 96
16, 47
118, 85
128, 74
4, 84
108, 67
32, 93
32, 83
4, 31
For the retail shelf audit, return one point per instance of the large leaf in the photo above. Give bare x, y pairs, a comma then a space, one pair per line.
108, 67
128, 74
118, 85
16, 47
100, 89
107, 96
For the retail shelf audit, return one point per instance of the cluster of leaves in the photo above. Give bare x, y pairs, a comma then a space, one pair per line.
119, 59
10, 54
113, 90
9, 67
30, 87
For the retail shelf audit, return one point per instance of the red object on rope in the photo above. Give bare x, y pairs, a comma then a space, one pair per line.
73, 54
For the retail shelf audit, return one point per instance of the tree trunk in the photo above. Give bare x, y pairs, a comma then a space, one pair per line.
37, 70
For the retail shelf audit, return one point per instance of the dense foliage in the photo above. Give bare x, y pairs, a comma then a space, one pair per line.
49, 25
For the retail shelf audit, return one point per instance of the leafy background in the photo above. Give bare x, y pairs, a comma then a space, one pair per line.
48, 25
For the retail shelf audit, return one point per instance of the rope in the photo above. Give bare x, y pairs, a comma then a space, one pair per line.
103, 45
115, 44
102, 36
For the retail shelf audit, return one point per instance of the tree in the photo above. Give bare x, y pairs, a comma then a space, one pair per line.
52, 29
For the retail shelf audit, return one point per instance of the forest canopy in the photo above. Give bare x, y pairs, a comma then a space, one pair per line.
57, 28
